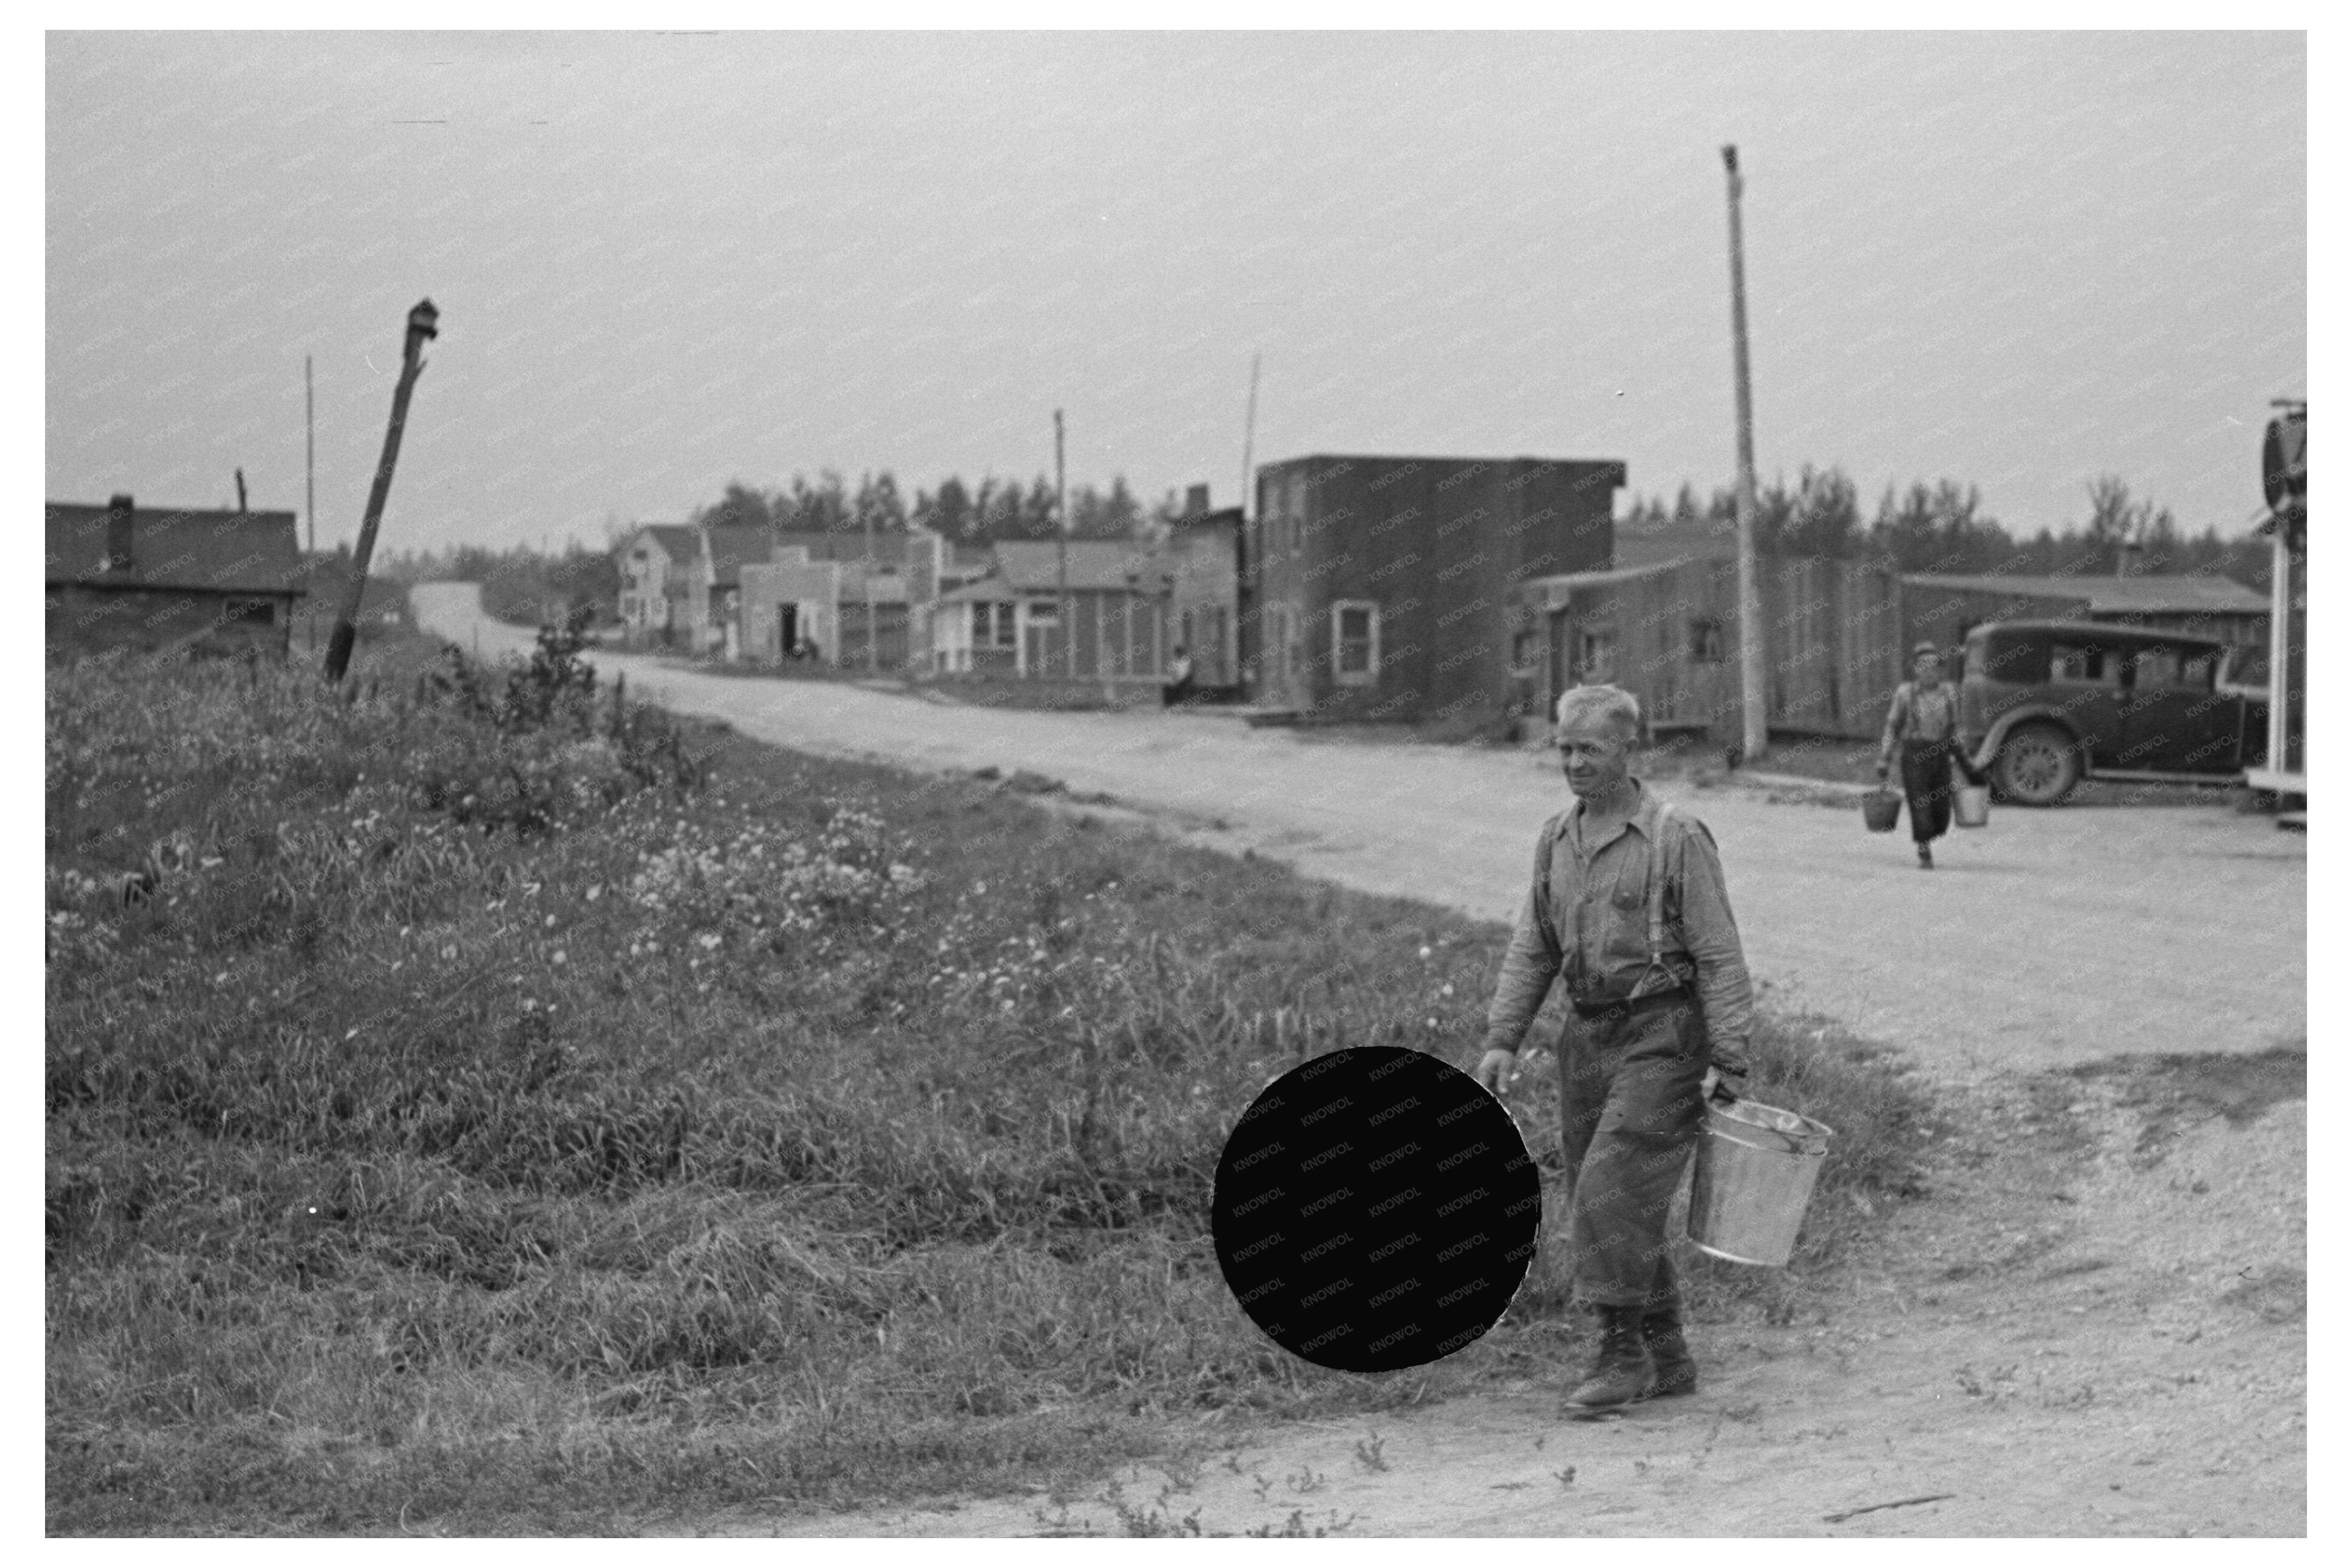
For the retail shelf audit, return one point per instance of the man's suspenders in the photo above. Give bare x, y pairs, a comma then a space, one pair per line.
1656, 890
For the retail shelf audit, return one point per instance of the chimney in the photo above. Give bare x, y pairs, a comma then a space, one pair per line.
2129, 559
1196, 499
118, 535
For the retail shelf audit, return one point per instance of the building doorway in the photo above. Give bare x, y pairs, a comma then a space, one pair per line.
787, 630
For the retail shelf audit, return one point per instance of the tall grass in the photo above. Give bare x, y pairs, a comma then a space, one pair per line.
500, 1107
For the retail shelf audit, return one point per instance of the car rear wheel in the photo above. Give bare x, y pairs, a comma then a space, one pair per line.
2038, 766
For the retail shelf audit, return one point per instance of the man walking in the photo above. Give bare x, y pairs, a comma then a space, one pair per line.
1925, 719
1627, 907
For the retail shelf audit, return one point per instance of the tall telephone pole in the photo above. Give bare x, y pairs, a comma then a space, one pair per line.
1752, 731
1249, 429
1062, 557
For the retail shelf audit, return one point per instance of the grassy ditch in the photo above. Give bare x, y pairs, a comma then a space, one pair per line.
495, 1108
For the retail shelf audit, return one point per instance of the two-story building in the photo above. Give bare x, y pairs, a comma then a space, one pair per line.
1386, 588
656, 562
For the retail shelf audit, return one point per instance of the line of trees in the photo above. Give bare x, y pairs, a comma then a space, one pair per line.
992, 509
1944, 526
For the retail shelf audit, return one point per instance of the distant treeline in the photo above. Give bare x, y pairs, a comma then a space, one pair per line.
1945, 527
964, 514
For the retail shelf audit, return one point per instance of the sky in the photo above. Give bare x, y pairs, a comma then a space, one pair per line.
666, 262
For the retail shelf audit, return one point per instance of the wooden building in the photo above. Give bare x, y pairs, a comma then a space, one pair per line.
1943, 608
1008, 623
1385, 588
1206, 548
1834, 644
656, 562
121, 575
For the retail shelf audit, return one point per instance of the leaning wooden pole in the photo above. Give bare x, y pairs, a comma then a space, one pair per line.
1752, 731
412, 362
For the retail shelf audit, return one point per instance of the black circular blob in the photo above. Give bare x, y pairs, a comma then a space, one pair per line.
1375, 1209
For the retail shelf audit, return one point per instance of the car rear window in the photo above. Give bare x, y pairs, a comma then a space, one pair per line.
2020, 658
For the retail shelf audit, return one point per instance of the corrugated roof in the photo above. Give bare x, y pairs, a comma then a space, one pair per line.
2186, 593
1569, 581
1029, 565
233, 552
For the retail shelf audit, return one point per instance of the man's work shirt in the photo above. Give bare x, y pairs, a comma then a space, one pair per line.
1922, 713
1599, 903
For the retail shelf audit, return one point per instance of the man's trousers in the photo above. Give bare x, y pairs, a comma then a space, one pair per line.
1629, 1114
1927, 786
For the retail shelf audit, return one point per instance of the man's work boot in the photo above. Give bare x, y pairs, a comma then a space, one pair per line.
1621, 1372
1673, 1370
1927, 859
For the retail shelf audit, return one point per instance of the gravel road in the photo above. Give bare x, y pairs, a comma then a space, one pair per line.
2047, 938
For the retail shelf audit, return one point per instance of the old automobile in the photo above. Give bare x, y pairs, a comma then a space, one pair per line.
2047, 704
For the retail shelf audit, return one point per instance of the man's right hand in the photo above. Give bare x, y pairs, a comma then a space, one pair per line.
1495, 1069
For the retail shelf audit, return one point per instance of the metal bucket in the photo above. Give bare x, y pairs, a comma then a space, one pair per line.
1753, 1177
1972, 805
1880, 809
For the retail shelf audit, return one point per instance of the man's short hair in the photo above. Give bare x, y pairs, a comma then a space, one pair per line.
1611, 702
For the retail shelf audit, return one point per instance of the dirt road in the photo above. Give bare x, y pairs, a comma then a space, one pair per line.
2050, 938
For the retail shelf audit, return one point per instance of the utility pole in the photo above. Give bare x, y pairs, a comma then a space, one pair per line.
1752, 731
310, 491
873, 660
1062, 556
412, 363
1249, 432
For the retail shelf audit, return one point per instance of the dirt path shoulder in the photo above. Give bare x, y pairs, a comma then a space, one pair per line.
2086, 1332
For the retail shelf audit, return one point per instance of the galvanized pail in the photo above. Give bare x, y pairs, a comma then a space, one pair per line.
1972, 805
1879, 810
1754, 1174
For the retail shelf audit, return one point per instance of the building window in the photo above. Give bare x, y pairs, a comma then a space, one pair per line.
993, 624
1706, 642
250, 612
1596, 663
1355, 641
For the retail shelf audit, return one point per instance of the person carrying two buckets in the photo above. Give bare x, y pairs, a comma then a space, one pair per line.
1924, 719
1626, 907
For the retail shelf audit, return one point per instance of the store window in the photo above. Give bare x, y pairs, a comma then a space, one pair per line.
1355, 641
